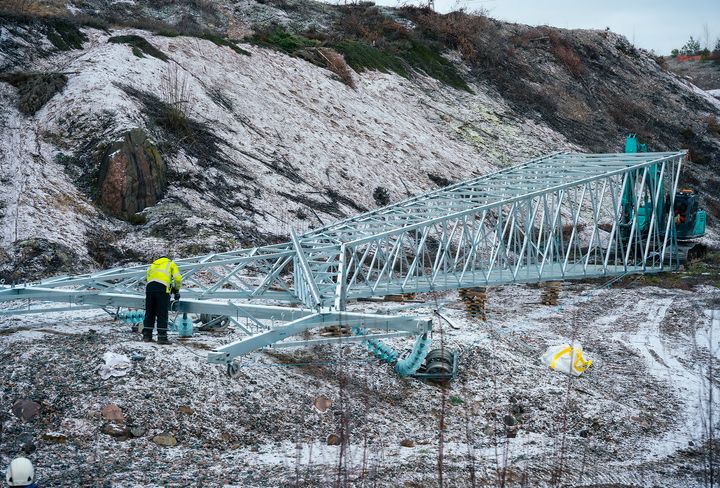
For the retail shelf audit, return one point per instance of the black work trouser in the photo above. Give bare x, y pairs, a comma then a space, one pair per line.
157, 303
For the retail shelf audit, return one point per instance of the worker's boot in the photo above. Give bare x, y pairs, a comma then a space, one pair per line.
147, 338
163, 340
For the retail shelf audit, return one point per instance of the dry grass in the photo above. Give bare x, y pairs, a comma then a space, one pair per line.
176, 93
34, 89
713, 126
565, 53
474, 35
33, 8
336, 63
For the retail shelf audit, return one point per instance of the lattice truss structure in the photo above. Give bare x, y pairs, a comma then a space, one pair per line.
562, 216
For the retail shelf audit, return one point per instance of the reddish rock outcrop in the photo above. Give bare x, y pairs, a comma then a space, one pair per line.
132, 175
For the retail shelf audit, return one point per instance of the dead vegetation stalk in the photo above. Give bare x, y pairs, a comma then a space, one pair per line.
558, 470
443, 413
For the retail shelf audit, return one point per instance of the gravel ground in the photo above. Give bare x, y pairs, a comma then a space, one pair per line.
635, 418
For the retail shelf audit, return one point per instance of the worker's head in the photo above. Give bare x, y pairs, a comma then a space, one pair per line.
165, 254
171, 253
20, 473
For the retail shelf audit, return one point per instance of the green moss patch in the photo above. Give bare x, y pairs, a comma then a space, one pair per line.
282, 40
398, 53
361, 56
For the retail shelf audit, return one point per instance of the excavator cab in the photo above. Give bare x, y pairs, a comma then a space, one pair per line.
689, 219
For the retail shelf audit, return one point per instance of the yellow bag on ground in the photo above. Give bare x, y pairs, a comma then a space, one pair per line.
566, 358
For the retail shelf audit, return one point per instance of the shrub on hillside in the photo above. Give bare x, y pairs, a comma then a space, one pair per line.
278, 37
474, 35
140, 46
175, 112
381, 196
713, 126
565, 53
34, 89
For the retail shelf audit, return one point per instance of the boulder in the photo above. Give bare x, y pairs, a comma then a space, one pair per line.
55, 437
322, 403
35, 258
132, 175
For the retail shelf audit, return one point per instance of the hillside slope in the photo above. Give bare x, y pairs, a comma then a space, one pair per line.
267, 140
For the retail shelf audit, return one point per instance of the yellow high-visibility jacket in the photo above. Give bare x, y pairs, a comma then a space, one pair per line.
166, 272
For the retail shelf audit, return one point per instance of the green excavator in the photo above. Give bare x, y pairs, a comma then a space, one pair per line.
689, 219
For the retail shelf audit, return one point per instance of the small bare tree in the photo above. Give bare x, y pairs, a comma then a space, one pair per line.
176, 94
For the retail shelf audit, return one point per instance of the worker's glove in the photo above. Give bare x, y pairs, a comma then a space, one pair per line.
176, 296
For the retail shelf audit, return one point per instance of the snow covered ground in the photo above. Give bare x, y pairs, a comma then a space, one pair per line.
634, 418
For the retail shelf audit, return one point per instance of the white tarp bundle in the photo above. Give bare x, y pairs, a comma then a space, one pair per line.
115, 365
566, 358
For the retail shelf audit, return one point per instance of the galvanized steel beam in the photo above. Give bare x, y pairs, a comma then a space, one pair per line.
561, 216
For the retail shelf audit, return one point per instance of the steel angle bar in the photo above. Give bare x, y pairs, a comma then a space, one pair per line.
422, 198
530, 194
339, 340
226, 353
306, 275
45, 308
241, 326
410, 325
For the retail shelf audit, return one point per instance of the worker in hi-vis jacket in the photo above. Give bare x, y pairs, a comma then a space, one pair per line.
163, 276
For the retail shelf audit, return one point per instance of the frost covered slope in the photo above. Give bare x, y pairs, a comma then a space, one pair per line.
297, 147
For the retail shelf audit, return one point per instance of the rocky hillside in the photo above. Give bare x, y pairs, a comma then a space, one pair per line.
211, 125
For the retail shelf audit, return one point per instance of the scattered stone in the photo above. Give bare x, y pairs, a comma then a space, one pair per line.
93, 414
25, 443
56, 437
113, 413
165, 439
185, 409
333, 440
509, 420
115, 430
137, 431
136, 356
25, 409
407, 443
322, 403
550, 293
